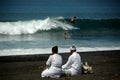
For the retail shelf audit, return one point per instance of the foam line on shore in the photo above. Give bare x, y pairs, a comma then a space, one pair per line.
44, 57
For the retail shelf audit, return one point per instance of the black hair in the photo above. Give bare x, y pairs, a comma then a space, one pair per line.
74, 16
55, 49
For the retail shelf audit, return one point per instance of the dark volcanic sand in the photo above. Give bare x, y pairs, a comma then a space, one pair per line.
106, 66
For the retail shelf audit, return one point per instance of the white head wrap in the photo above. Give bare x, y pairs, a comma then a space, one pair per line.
72, 47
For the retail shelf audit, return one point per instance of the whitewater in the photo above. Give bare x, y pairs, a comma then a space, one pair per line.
32, 26
14, 52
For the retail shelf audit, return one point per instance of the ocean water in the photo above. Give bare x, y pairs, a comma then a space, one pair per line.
30, 27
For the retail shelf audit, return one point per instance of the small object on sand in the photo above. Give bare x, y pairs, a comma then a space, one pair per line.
87, 69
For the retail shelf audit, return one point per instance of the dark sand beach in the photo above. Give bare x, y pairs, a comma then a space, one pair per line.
106, 66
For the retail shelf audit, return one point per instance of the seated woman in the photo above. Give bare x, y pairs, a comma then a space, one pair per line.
54, 64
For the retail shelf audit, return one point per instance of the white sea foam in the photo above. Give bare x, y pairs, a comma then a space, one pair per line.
11, 52
31, 27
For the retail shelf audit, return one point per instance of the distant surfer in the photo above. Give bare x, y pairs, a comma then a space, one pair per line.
65, 36
73, 19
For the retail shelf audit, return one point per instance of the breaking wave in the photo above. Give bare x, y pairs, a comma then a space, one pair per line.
32, 26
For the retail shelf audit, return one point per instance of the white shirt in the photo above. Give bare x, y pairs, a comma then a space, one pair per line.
74, 62
55, 66
54, 60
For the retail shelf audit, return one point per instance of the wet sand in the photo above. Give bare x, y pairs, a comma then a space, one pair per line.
106, 66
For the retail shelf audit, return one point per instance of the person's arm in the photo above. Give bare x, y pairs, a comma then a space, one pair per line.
48, 63
68, 64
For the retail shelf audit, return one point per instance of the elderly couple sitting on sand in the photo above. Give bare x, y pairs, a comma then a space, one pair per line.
54, 63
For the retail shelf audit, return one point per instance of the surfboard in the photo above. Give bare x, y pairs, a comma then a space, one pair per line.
77, 28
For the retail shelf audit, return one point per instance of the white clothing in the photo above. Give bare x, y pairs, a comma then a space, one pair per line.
55, 63
73, 64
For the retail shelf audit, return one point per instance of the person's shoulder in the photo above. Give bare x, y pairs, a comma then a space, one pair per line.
59, 55
56, 55
50, 56
75, 53
71, 55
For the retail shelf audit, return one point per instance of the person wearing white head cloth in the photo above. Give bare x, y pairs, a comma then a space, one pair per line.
73, 65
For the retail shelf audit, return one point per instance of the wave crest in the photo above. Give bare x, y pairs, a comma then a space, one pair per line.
31, 27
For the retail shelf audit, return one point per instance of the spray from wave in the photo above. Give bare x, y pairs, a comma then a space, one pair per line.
31, 27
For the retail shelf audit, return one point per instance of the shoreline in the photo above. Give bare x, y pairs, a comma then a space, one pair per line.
106, 66
43, 57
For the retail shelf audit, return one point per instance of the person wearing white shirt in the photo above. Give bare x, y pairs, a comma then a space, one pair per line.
73, 65
54, 64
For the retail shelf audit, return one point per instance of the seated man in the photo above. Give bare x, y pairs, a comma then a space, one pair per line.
73, 65
54, 64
